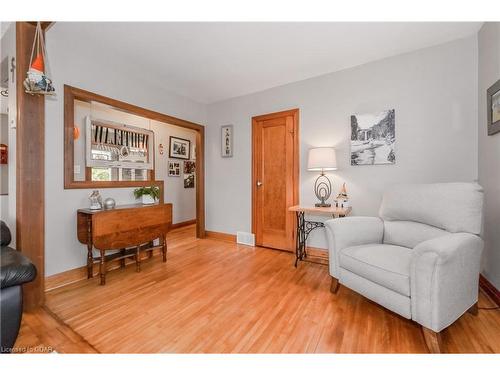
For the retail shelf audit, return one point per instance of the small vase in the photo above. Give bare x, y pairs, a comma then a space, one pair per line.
148, 199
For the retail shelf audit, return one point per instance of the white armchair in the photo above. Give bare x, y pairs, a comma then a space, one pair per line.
420, 258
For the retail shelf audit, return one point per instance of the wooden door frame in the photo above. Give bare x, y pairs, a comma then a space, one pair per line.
296, 159
72, 93
30, 168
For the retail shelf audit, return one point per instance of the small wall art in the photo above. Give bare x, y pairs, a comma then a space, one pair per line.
189, 167
227, 141
179, 148
189, 173
493, 101
174, 169
189, 181
373, 138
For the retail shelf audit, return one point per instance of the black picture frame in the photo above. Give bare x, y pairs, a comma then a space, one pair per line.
493, 91
173, 149
174, 168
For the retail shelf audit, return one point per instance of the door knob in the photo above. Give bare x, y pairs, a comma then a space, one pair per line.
259, 183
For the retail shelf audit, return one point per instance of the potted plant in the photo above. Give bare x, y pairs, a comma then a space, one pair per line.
148, 194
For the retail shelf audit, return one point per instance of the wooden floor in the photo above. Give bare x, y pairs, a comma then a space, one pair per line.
219, 297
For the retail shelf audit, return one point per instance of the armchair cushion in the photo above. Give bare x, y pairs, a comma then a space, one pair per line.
409, 233
351, 231
454, 207
386, 265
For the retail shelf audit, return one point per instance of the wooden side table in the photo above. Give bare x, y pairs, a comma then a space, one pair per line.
305, 227
128, 228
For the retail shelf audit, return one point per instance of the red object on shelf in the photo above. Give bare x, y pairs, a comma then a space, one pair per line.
38, 63
4, 153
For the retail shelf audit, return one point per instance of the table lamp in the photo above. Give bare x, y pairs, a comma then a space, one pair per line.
322, 159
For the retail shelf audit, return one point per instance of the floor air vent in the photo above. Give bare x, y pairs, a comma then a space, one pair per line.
245, 238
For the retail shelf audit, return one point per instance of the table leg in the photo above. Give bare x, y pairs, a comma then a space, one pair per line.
164, 248
122, 260
138, 259
90, 257
102, 268
300, 238
150, 253
304, 228
303, 237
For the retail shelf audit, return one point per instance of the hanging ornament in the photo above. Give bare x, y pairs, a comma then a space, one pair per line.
37, 80
38, 64
76, 133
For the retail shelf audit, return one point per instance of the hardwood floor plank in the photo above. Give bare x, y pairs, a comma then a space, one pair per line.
219, 297
42, 332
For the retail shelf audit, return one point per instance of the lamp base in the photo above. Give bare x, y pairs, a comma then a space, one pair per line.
322, 205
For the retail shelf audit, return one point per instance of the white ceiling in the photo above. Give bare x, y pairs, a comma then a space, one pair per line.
209, 62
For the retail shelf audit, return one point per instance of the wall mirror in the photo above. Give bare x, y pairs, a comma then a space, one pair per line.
110, 144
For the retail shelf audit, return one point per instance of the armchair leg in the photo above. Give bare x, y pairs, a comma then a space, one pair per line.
334, 286
432, 340
473, 310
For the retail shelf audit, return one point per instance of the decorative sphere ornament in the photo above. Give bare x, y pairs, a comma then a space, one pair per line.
109, 203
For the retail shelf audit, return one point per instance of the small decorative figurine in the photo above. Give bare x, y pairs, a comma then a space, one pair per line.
342, 198
109, 203
95, 200
37, 80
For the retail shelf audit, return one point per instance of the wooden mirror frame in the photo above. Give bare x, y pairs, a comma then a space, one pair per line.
72, 93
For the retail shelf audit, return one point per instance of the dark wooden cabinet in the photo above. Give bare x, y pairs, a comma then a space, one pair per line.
127, 230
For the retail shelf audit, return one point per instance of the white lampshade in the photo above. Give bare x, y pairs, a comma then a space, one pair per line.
322, 159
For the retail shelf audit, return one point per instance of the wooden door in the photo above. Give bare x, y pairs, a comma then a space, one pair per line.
275, 177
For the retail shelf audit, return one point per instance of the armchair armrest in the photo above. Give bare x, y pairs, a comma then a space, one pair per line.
444, 276
15, 268
351, 231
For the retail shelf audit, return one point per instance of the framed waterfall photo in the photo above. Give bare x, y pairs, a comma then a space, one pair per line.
227, 141
493, 108
373, 138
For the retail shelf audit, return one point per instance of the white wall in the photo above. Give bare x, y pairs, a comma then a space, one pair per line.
184, 200
83, 63
489, 150
433, 92
8, 202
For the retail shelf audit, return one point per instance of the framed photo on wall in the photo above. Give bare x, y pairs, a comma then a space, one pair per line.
179, 148
493, 108
189, 167
174, 169
227, 141
373, 138
189, 181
